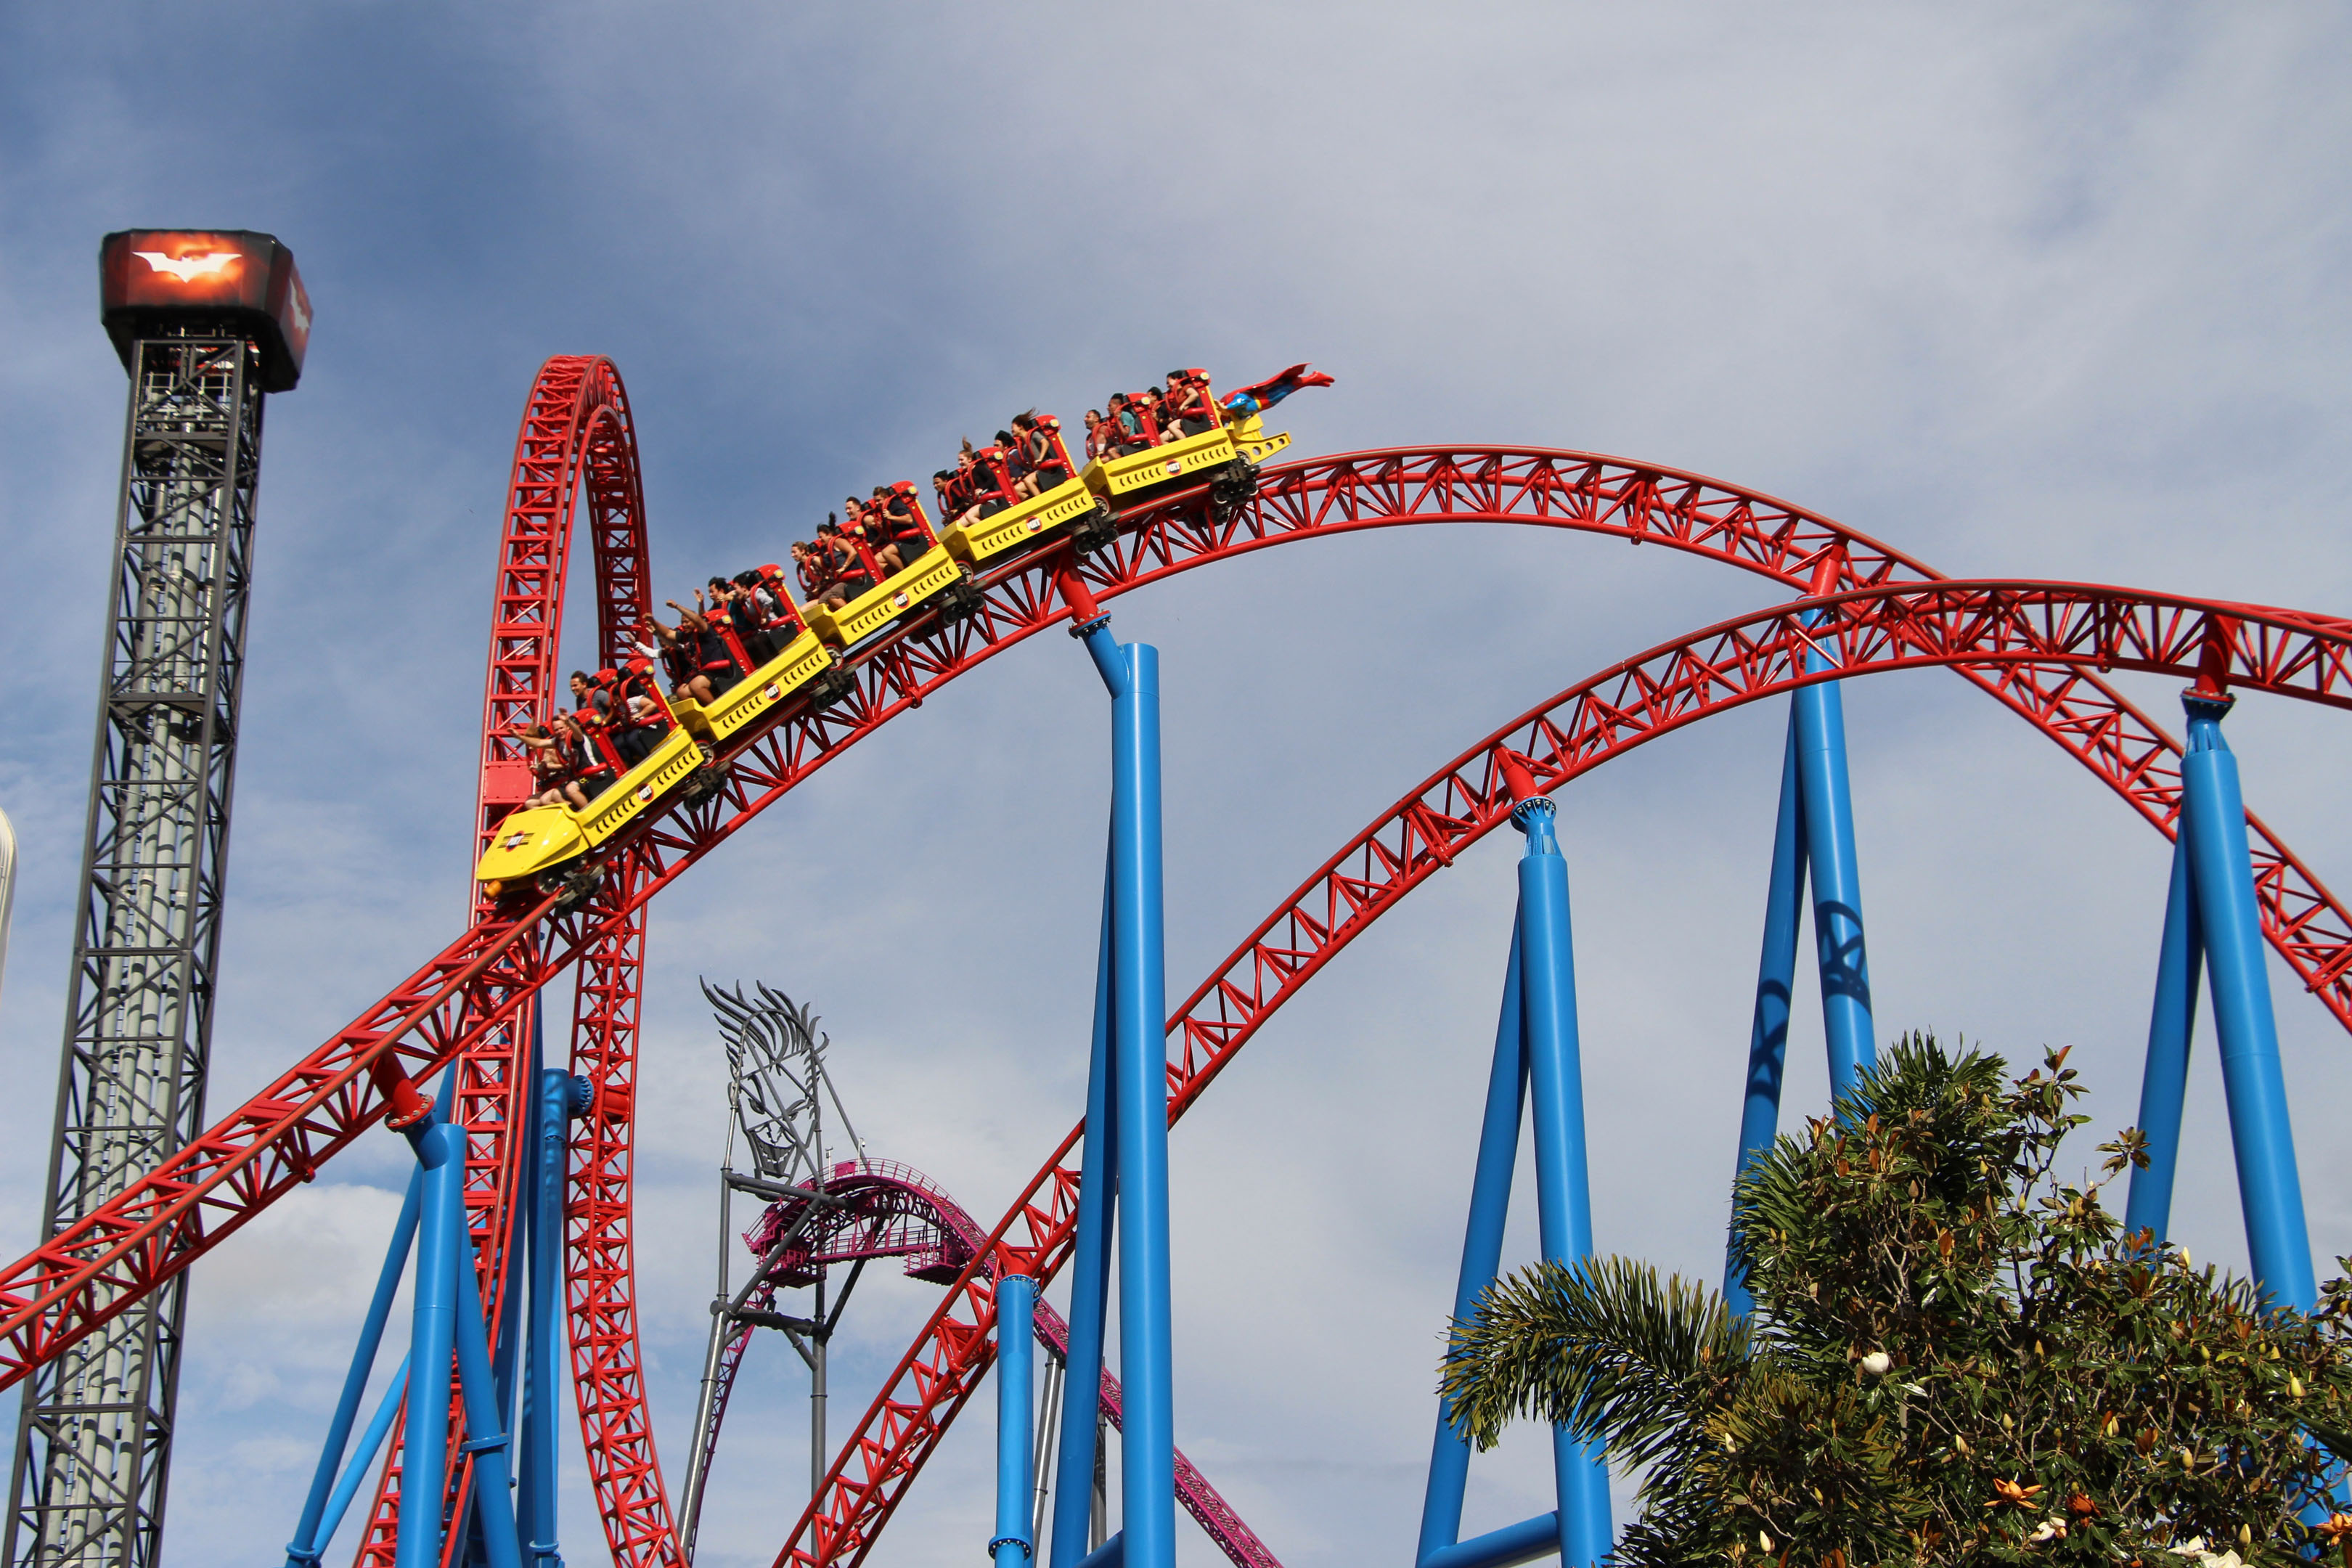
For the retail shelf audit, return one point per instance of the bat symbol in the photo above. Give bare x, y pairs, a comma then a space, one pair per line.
187, 268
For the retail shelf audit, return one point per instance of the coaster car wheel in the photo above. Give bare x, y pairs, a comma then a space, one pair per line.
704, 783
958, 598
830, 687
569, 885
1232, 488
1095, 531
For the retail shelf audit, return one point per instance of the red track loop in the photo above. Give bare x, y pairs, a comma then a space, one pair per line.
1997, 625
576, 440
485, 980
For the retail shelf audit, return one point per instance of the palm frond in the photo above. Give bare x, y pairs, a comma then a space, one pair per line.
1603, 1348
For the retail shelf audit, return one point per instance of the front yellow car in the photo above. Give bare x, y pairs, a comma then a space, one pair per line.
528, 842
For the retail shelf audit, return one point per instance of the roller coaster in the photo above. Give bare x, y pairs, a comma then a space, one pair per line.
535, 1163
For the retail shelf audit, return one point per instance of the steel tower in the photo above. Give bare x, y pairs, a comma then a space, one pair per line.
206, 322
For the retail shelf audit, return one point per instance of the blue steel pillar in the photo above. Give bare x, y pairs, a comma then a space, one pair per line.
561, 1097
308, 1540
440, 1151
1089, 1278
1482, 1253
1016, 1298
1820, 715
1139, 1040
1563, 1194
2269, 1191
1776, 980
487, 1437
1138, 1093
2164, 1082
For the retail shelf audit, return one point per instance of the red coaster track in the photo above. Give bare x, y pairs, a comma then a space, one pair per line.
2035, 648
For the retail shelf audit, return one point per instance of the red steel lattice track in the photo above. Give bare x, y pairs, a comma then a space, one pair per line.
474, 998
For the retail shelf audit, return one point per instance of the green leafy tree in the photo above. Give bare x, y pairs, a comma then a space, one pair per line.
1954, 1357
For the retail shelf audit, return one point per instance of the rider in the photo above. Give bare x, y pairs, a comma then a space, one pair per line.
892, 512
715, 666
1187, 406
1042, 463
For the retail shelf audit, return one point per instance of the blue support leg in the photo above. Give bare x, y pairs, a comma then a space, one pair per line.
440, 1151
1074, 1459
2260, 1131
486, 1433
1482, 1253
303, 1550
518, 1252
1016, 1347
1563, 1194
1776, 980
1139, 1035
1820, 714
557, 1102
2164, 1082
379, 1426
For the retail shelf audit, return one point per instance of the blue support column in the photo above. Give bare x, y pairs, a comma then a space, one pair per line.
1776, 980
557, 1101
379, 1426
1482, 1253
1563, 1194
1016, 1300
1820, 714
441, 1234
2269, 1190
2164, 1081
1089, 1277
303, 1550
510, 1301
487, 1437
1139, 1039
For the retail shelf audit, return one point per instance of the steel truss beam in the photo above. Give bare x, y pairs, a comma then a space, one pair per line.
485, 978
94, 1438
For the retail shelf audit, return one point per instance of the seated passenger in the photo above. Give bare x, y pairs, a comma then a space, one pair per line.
1043, 463
775, 602
591, 773
551, 770
892, 514
970, 488
808, 566
593, 697
1134, 433
864, 523
644, 717
846, 571
681, 658
715, 665
1098, 435
734, 595
1155, 418
1187, 405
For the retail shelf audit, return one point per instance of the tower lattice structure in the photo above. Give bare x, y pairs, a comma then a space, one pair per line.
94, 1438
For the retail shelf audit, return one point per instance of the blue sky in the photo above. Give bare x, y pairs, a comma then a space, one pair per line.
2023, 292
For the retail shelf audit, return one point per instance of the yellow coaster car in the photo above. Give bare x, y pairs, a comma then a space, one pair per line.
1227, 456
539, 838
1015, 526
935, 573
1194, 457
804, 660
